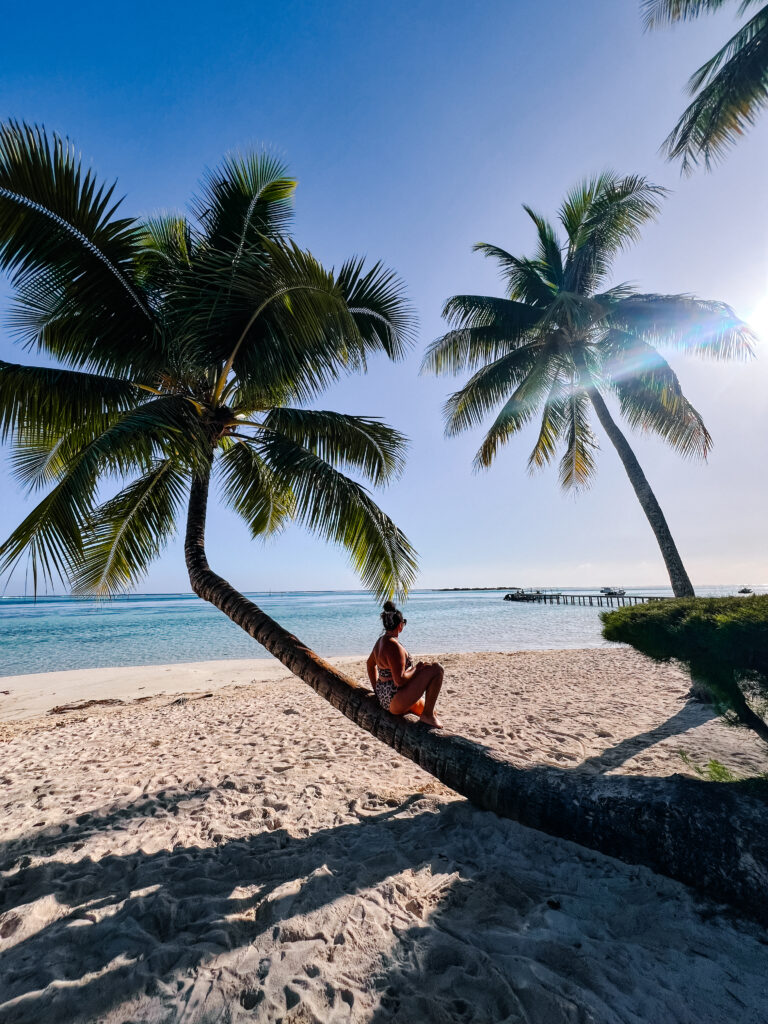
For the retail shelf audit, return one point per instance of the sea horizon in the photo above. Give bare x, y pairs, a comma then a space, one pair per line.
55, 632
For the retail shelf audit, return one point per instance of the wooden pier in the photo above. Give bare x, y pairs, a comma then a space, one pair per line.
590, 600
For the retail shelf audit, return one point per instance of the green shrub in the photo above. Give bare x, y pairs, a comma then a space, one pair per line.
723, 640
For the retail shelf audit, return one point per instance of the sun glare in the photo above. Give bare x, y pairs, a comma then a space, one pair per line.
758, 319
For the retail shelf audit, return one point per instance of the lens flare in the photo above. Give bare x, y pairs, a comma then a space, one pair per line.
758, 319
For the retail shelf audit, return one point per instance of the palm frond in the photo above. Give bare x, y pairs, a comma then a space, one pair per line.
248, 196
550, 250
489, 386
376, 299
609, 219
341, 510
127, 533
519, 409
553, 419
697, 326
49, 401
253, 490
577, 205
355, 442
577, 465
52, 534
650, 396
647, 406
528, 281
54, 216
466, 349
167, 247
732, 90
485, 328
280, 319
660, 12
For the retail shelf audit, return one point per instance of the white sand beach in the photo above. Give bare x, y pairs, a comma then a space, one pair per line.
250, 855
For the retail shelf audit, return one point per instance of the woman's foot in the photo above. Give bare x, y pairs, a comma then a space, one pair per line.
431, 720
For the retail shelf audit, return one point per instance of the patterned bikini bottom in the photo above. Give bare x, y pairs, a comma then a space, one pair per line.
385, 690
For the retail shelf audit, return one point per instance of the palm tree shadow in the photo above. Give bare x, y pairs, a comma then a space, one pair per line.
691, 715
192, 933
143, 924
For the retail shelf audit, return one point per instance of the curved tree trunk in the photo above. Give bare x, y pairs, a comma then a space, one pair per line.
708, 835
681, 584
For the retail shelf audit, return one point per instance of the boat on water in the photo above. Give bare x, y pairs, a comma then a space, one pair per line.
746, 590
519, 594
612, 591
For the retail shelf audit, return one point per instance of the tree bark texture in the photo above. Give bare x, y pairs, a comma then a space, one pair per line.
681, 584
712, 836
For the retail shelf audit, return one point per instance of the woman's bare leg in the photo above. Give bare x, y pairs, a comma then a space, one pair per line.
428, 681
430, 698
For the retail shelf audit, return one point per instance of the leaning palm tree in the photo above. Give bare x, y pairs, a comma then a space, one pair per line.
559, 341
183, 348
729, 90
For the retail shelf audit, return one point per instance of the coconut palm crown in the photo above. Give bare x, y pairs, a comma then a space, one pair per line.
183, 348
729, 90
560, 340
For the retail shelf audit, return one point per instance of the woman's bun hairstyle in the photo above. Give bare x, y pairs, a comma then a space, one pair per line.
391, 617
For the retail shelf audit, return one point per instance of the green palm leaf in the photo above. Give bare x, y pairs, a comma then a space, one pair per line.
731, 89
520, 408
376, 300
485, 329
489, 386
578, 462
657, 12
128, 532
340, 510
52, 534
553, 420
247, 197
529, 281
51, 401
253, 490
355, 442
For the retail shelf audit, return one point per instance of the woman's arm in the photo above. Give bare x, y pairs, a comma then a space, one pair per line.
396, 658
371, 668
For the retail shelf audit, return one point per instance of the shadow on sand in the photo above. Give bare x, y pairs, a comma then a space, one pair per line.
692, 714
196, 933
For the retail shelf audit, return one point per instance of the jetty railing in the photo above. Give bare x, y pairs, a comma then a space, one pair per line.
592, 600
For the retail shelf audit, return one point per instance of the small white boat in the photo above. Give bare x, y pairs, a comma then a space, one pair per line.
612, 592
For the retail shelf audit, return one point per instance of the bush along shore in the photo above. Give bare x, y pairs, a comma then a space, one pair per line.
722, 640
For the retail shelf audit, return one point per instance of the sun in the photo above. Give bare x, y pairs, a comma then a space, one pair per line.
758, 319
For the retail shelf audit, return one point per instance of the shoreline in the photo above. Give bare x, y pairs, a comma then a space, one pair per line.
36, 693
32, 694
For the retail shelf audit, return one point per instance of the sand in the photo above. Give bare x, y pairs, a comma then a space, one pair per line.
252, 856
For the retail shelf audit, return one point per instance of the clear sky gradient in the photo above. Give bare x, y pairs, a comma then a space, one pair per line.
416, 129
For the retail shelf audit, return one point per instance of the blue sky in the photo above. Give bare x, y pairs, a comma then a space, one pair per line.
416, 129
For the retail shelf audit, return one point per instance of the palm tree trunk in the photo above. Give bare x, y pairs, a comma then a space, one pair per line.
696, 832
681, 584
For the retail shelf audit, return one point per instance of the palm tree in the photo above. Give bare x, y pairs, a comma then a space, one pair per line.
182, 348
558, 342
729, 90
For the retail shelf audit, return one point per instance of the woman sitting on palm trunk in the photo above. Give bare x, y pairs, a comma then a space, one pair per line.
400, 685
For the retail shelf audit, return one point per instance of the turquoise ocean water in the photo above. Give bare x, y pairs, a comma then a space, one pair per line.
57, 633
